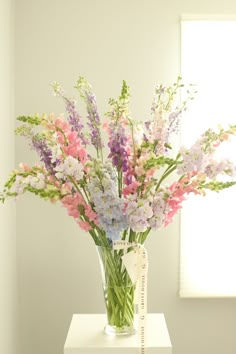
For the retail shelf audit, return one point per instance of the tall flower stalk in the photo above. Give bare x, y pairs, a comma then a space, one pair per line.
86, 93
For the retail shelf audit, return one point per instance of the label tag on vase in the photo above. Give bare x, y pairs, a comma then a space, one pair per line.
130, 261
136, 263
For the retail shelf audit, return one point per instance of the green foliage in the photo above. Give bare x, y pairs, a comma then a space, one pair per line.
32, 120
24, 130
165, 96
83, 87
160, 161
49, 193
232, 129
11, 180
120, 107
212, 137
125, 91
216, 186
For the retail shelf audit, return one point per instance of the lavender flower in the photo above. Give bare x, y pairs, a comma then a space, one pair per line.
21, 182
157, 133
173, 126
85, 91
45, 154
69, 167
118, 147
138, 213
19, 185
74, 117
147, 213
215, 168
159, 208
194, 159
108, 205
165, 121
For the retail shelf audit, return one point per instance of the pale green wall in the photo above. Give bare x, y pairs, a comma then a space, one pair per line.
8, 282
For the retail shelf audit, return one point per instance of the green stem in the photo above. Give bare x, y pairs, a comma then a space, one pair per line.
99, 150
132, 134
71, 179
144, 235
167, 172
120, 174
118, 286
84, 190
115, 287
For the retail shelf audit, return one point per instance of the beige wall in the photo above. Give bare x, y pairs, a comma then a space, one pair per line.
106, 41
8, 300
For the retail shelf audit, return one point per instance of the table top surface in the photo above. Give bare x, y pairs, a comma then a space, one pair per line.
86, 331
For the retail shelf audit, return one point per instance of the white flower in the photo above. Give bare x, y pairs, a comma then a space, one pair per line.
215, 168
56, 153
70, 167
36, 182
19, 185
194, 159
22, 182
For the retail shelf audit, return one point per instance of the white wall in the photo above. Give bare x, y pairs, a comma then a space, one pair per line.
106, 41
8, 301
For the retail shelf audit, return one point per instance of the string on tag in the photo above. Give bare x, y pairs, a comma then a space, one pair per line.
137, 271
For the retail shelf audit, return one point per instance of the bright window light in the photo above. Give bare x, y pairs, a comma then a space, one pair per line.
208, 227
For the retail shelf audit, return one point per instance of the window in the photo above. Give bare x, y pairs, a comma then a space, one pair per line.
208, 227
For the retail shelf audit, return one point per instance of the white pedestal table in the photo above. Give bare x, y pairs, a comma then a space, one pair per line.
86, 336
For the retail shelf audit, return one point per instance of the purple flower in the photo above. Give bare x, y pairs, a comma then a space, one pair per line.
118, 147
92, 107
173, 126
85, 91
74, 117
45, 154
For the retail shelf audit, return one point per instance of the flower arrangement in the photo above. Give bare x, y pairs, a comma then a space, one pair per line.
120, 192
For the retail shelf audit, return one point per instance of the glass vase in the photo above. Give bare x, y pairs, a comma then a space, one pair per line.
119, 292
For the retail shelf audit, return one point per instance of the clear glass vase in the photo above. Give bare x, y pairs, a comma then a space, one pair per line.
119, 292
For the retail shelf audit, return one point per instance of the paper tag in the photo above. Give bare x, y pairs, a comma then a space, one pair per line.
123, 245
130, 261
136, 263
143, 300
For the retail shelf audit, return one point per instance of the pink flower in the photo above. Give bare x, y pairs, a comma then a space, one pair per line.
90, 214
225, 136
129, 176
71, 203
51, 179
178, 190
60, 138
66, 188
24, 167
74, 148
73, 212
131, 188
139, 170
150, 173
50, 126
70, 150
61, 124
84, 225
72, 137
57, 184
106, 127
82, 154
